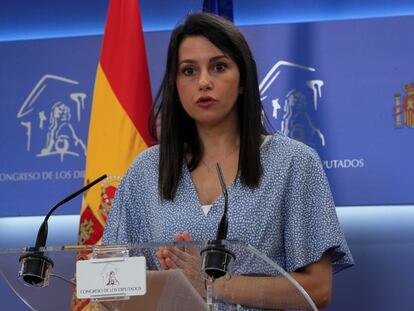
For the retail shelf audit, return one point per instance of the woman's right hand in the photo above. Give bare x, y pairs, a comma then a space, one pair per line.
162, 252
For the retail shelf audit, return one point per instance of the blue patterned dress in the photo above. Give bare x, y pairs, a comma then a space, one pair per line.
290, 217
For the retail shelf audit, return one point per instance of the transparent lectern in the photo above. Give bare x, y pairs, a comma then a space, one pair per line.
165, 290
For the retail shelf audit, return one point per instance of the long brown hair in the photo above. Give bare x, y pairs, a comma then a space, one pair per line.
178, 131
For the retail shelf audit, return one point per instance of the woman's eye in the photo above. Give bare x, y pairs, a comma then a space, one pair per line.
220, 67
188, 71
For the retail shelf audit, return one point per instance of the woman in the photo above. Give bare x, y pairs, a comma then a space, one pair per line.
279, 197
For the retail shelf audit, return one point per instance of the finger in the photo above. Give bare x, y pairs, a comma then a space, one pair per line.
185, 261
166, 258
170, 263
159, 253
161, 259
177, 255
186, 236
163, 264
179, 238
190, 249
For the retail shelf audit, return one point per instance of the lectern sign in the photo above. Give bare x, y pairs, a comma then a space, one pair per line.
111, 277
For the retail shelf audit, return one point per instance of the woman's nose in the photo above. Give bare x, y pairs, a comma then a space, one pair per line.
205, 82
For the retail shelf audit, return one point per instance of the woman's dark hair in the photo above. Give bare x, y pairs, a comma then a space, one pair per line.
178, 131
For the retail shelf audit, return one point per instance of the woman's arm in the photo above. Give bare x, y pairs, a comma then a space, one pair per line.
278, 292
262, 292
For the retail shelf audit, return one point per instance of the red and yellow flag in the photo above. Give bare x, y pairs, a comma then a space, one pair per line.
118, 124
121, 106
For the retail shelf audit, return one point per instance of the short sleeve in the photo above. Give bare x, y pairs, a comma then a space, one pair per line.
311, 223
123, 223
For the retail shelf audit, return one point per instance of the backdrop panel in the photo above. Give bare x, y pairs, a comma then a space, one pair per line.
343, 87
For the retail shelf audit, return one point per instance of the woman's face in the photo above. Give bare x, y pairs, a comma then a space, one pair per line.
207, 82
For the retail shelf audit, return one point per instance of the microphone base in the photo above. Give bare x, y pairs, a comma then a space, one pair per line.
35, 269
216, 259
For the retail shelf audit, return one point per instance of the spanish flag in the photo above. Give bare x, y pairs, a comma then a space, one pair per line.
118, 124
121, 106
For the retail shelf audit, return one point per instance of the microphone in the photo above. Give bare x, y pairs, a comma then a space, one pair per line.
35, 268
216, 257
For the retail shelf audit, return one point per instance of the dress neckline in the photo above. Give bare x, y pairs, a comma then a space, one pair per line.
187, 174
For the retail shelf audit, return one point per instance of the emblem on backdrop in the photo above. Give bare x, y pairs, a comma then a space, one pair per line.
404, 110
291, 104
50, 117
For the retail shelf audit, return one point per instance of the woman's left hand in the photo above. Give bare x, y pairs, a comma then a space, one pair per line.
186, 258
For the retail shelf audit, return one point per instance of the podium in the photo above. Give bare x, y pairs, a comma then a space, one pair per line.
165, 289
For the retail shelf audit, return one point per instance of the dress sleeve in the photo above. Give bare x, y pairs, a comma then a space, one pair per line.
311, 223
123, 221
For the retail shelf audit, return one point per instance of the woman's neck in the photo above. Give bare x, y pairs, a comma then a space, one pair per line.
218, 141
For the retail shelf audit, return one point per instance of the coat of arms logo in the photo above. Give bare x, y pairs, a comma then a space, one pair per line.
404, 112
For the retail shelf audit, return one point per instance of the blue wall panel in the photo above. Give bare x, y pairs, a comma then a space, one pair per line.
380, 237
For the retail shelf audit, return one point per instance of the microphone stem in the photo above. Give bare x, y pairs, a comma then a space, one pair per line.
93, 183
222, 229
42, 233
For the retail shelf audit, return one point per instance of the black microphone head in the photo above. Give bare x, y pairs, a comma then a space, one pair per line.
216, 259
35, 269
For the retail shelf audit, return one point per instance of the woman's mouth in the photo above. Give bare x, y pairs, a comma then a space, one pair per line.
205, 101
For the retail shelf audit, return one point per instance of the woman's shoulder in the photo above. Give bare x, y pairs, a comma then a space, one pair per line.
148, 156
280, 145
145, 162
